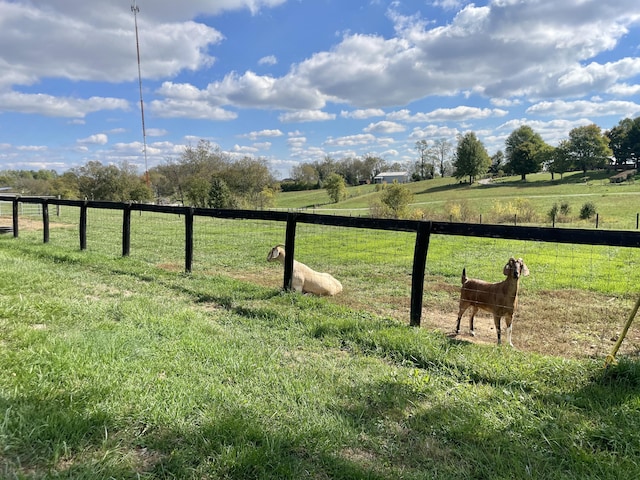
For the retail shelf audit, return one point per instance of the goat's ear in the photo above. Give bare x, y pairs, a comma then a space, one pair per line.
507, 268
525, 270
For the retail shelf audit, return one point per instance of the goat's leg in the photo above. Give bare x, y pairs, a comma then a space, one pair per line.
509, 319
496, 321
461, 310
472, 332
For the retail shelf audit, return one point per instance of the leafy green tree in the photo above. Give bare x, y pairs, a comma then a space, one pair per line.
267, 197
109, 182
219, 194
471, 159
497, 165
305, 174
66, 186
523, 151
560, 159
196, 191
324, 168
624, 140
336, 188
589, 148
397, 197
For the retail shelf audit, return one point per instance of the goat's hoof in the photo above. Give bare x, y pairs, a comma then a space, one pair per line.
472, 333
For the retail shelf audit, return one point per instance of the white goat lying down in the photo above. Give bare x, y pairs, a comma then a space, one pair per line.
305, 279
499, 299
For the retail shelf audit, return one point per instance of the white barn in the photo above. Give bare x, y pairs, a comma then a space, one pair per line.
390, 177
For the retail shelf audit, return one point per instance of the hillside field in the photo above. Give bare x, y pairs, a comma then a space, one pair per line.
617, 204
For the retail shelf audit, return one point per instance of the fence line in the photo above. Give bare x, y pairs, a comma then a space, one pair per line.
423, 230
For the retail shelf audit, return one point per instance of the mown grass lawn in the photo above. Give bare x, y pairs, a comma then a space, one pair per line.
116, 368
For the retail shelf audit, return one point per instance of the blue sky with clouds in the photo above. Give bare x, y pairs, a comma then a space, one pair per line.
296, 80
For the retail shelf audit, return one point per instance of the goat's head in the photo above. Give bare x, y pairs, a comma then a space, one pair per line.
276, 253
515, 268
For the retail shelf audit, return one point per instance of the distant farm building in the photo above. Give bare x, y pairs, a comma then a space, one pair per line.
390, 177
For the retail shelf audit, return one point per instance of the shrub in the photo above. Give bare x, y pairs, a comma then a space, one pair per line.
520, 207
458, 210
559, 213
587, 211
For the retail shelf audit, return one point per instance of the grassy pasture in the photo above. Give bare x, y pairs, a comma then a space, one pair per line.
127, 368
617, 204
113, 368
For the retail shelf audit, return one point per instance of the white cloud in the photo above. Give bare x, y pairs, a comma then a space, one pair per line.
190, 109
97, 139
384, 127
263, 133
624, 90
351, 140
51, 106
362, 113
268, 60
297, 142
306, 116
32, 148
585, 108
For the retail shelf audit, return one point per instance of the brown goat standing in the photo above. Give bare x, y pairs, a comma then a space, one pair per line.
499, 299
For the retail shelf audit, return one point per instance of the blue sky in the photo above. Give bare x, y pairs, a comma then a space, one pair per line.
294, 81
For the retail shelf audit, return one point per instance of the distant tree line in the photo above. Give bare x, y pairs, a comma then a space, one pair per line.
204, 176
586, 148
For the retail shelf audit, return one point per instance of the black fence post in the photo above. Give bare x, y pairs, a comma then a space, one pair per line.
417, 276
126, 230
45, 220
289, 248
83, 226
15, 217
188, 247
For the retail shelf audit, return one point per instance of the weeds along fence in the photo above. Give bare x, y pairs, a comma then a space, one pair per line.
178, 223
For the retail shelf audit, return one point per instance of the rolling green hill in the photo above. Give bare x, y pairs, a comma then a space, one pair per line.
497, 201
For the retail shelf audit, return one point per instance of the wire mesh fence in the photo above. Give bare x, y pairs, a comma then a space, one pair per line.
576, 298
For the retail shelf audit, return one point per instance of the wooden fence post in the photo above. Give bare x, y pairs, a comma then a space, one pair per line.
188, 247
126, 230
289, 248
15, 217
417, 276
45, 220
83, 226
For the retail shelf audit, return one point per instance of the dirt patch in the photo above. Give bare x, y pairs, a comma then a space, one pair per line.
566, 323
30, 224
571, 324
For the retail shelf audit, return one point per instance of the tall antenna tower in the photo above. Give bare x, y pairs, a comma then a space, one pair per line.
136, 10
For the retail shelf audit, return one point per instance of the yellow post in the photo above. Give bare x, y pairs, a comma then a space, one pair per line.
611, 358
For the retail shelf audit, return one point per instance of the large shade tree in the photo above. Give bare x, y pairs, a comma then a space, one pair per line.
472, 159
624, 140
524, 152
589, 148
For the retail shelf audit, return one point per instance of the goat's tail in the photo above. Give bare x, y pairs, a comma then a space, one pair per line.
464, 275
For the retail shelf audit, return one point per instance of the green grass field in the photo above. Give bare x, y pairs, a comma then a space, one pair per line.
111, 368
128, 368
617, 204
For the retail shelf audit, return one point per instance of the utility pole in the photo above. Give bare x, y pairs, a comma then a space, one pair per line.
135, 10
